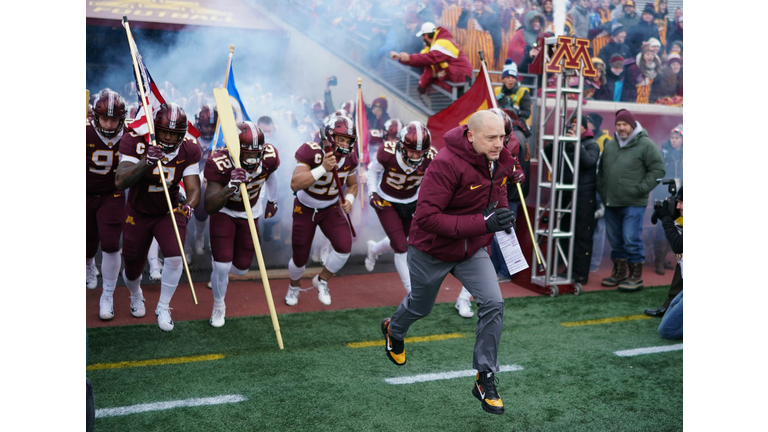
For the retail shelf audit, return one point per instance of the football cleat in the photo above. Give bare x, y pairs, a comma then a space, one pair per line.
164, 318
137, 306
292, 298
370, 261
106, 311
485, 391
394, 348
464, 308
91, 276
217, 317
322, 290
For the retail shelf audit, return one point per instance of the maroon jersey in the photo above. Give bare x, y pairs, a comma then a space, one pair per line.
323, 192
146, 197
101, 161
219, 169
399, 182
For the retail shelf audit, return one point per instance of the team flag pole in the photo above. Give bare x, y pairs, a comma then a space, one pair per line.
87, 102
362, 138
151, 127
519, 189
229, 131
218, 121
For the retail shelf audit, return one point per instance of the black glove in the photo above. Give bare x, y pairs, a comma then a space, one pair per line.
502, 219
271, 209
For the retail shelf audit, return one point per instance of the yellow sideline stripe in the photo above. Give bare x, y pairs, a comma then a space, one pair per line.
156, 362
409, 340
605, 320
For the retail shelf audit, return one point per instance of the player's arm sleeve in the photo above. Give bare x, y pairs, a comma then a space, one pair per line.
271, 186
375, 172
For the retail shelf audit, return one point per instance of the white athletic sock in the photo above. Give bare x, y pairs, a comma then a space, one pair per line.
294, 272
110, 268
219, 282
401, 264
172, 270
237, 272
153, 249
382, 246
134, 286
464, 294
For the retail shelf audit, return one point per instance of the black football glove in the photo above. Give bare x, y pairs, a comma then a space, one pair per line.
502, 219
271, 209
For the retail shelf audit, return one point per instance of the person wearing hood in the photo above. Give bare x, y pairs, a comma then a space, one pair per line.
597, 87
627, 172
672, 153
529, 54
462, 204
641, 76
586, 200
526, 36
442, 59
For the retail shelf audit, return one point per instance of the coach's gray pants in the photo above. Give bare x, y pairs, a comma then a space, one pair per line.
478, 276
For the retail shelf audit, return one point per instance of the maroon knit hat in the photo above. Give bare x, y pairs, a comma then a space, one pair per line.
626, 117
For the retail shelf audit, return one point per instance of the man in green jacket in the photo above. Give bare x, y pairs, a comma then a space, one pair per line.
629, 169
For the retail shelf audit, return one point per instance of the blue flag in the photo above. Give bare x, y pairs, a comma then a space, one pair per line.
237, 105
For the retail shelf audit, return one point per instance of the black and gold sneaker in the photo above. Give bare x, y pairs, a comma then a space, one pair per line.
485, 390
394, 348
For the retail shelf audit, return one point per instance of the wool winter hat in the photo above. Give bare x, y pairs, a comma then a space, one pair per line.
649, 9
674, 57
380, 102
653, 42
616, 58
626, 117
617, 28
596, 119
510, 69
678, 129
679, 196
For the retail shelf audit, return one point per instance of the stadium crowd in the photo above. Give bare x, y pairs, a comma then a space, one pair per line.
638, 50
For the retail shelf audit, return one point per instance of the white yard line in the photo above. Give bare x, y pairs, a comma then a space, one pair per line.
159, 406
444, 375
649, 350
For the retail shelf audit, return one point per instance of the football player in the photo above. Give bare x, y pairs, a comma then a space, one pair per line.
394, 176
104, 204
205, 122
147, 209
231, 242
317, 203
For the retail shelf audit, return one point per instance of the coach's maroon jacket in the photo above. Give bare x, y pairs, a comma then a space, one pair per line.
457, 187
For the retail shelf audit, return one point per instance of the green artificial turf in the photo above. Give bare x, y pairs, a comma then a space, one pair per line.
571, 380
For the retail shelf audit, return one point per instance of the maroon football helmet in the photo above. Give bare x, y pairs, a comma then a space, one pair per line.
170, 118
507, 123
251, 145
340, 126
109, 104
205, 120
415, 137
392, 129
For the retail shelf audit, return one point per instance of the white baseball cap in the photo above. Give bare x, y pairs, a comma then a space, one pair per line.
427, 27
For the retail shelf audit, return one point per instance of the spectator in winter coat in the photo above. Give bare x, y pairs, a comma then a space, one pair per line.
676, 33
526, 36
486, 18
616, 45
642, 31
597, 88
604, 11
641, 75
616, 76
442, 59
511, 95
580, 14
626, 174
663, 23
628, 16
669, 82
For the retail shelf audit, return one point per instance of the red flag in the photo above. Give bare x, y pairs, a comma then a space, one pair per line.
477, 98
362, 127
154, 100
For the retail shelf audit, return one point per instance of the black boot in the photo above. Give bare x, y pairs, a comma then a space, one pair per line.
618, 275
635, 280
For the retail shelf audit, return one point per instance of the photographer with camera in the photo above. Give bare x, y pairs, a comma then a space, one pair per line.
672, 153
670, 212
